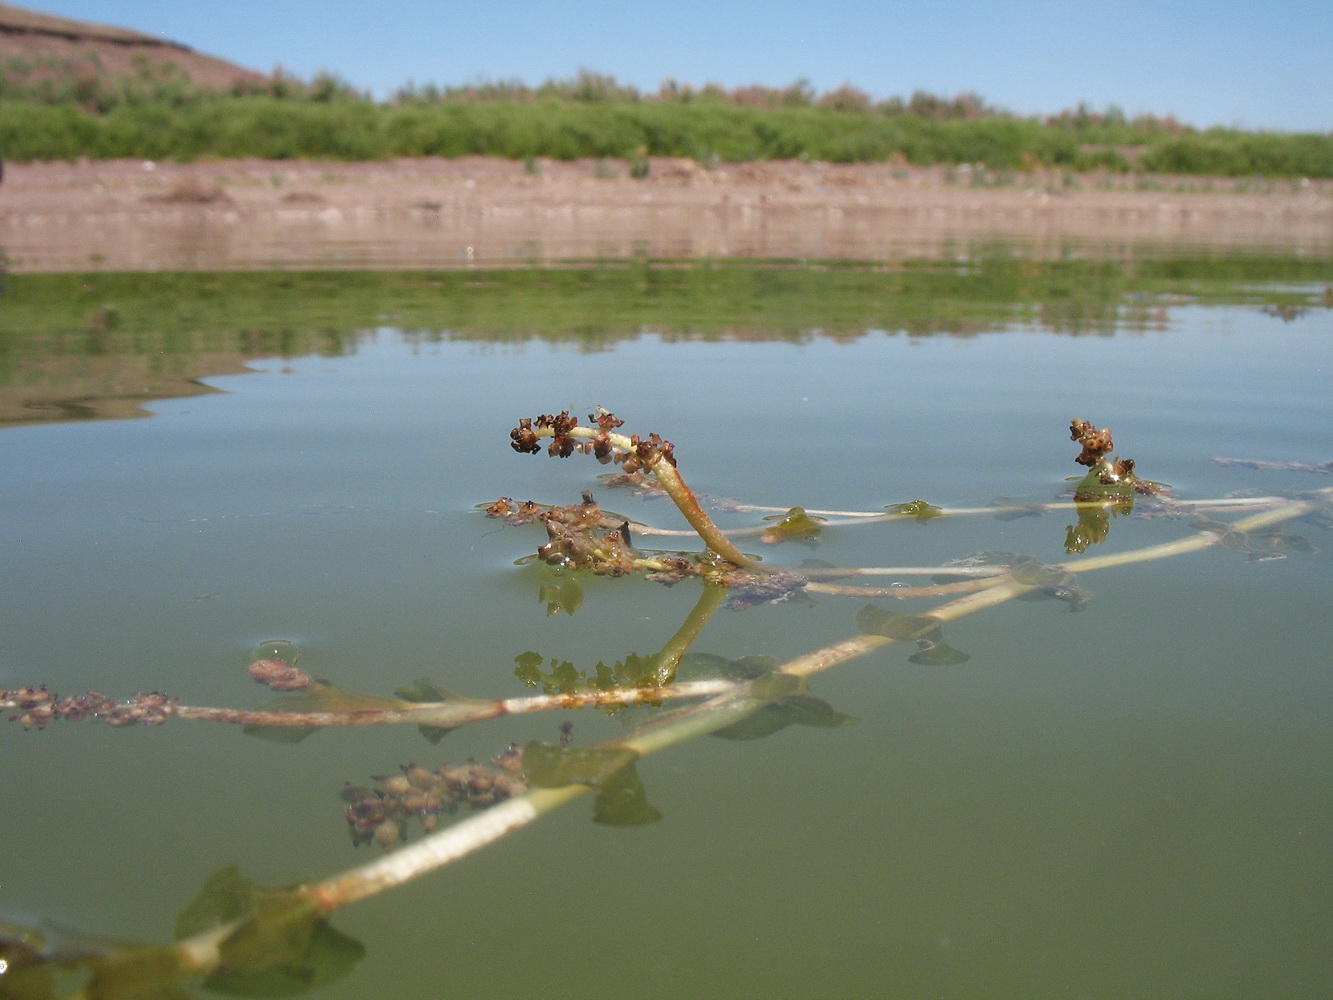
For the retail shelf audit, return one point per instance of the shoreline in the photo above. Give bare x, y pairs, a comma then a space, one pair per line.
479, 212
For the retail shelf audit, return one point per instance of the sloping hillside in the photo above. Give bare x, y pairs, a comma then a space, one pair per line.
37, 48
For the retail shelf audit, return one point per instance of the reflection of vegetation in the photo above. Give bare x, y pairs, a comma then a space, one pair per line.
978, 288
237, 937
69, 342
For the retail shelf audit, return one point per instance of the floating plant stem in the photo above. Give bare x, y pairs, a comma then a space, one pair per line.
712, 535
38, 707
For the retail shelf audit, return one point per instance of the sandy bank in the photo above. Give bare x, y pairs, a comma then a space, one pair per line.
430, 213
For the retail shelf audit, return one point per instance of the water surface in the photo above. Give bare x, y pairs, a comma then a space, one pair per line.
1133, 799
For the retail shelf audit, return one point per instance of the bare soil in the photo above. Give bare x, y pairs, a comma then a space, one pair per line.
58, 46
474, 212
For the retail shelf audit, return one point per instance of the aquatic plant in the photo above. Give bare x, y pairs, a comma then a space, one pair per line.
237, 937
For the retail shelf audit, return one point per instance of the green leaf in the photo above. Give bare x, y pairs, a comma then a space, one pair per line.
708, 666
28, 974
1032, 573
550, 766
280, 734
777, 685
871, 620
918, 509
795, 525
609, 770
1091, 488
796, 709
1075, 598
226, 896
27, 982
762, 722
30, 958
622, 802
424, 690
282, 945
304, 957
138, 974
938, 654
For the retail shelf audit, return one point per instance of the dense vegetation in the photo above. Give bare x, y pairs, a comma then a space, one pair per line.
46, 114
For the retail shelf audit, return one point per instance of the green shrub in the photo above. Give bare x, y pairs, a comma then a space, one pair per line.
68, 110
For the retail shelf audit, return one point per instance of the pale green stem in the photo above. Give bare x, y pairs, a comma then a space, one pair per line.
861, 516
675, 488
1192, 543
901, 593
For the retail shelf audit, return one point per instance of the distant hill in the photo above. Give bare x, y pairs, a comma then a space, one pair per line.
37, 48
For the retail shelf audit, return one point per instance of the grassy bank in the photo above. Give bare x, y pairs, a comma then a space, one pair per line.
593, 116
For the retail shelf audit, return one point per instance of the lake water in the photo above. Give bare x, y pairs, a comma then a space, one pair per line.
1135, 799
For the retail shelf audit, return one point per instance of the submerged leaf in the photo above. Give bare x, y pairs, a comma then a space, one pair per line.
937, 654
286, 960
27, 968
27, 982
550, 766
282, 945
610, 771
1075, 598
621, 801
872, 620
425, 690
1032, 573
30, 958
793, 710
138, 974
226, 896
777, 685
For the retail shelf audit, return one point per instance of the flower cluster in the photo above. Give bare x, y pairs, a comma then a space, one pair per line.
381, 814
567, 437
1120, 473
37, 707
1096, 444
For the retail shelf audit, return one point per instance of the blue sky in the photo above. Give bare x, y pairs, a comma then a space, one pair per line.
1265, 64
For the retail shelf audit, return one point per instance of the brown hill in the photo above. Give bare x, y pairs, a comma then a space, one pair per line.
37, 48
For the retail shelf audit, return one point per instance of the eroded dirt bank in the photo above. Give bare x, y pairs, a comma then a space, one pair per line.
432, 213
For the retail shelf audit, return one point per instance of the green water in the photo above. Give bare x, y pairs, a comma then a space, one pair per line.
1131, 800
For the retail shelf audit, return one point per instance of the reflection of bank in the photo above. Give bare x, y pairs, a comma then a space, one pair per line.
58, 389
